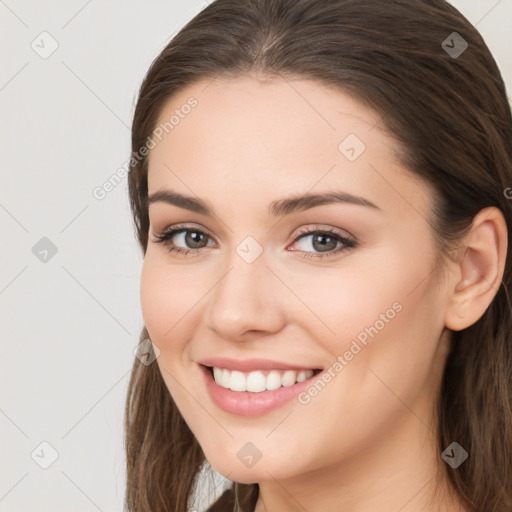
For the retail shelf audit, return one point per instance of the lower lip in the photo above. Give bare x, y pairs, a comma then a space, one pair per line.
247, 403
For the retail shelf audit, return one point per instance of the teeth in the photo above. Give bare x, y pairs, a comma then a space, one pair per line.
257, 382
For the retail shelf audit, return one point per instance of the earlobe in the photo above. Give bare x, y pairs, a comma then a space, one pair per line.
479, 271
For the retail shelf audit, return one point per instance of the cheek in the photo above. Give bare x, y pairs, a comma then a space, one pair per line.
165, 299
168, 313
151, 293
391, 339
375, 311
336, 304
173, 297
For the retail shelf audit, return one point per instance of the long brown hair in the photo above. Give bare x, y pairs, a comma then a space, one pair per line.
446, 105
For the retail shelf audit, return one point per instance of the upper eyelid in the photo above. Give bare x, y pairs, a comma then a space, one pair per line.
298, 233
349, 242
305, 229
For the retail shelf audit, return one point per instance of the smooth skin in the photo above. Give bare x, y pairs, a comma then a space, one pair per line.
367, 440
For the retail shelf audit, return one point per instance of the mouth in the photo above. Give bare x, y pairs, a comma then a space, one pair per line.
259, 381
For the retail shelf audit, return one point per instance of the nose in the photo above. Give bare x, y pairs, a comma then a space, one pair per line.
246, 300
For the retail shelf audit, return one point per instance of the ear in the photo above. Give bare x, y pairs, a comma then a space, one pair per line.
479, 272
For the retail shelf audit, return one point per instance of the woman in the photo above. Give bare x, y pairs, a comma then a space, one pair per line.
319, 190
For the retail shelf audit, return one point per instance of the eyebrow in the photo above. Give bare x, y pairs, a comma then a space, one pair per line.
276, 208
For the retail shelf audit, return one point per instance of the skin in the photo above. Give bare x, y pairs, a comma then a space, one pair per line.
367, 441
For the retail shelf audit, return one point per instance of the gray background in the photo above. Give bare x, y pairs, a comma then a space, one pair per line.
70, 323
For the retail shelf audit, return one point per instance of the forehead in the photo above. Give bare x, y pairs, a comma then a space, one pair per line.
236, 137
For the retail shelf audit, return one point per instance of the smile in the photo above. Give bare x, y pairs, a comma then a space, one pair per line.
257, 392
260, 380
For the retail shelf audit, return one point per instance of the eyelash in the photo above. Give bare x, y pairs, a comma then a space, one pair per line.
163, 238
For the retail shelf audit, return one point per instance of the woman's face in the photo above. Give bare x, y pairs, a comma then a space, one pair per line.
333, 283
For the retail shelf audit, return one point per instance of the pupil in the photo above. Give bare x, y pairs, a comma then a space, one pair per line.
193, 237
325, 240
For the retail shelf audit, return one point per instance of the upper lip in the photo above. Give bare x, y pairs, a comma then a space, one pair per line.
248, 365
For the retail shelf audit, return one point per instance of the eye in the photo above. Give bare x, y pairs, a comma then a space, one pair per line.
323, 240
185, 235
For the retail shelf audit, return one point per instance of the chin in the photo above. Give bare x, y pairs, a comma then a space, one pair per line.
237, 469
